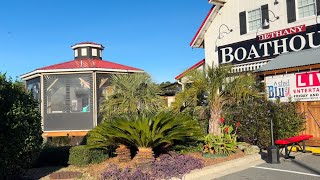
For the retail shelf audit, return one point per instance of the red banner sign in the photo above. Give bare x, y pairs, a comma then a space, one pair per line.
308, 79
283, 32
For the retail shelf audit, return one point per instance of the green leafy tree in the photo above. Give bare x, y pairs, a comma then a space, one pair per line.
255, 116
214, 89
132, 94
20, 128
146, 133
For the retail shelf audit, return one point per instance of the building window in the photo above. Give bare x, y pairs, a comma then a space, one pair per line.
76, 53
67, 94
80, 94
254, 19
56, 95
306, 8
34, 87
84, 52
94, 52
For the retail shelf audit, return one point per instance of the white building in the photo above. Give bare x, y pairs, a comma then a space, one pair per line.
277, 39
249, 33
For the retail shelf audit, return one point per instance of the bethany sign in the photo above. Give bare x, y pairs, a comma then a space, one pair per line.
271, 44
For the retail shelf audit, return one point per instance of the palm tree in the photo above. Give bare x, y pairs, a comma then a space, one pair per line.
132, 94
146, 133
217, 87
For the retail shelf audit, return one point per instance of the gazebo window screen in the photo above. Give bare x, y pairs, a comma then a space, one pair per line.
104, 89
68, 93
33, 86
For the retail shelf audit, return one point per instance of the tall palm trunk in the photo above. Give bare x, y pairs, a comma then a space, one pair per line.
214, 124
144, 156
215, 114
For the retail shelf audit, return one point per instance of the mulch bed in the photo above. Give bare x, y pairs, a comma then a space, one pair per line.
94, 171
97, 169
212, 161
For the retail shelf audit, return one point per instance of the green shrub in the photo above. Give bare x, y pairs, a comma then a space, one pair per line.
157, 131
188, 148
225, 143
20, 128
255, 116
82, 155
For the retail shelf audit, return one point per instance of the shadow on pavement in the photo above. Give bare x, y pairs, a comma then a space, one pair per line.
306, 166
264, 155
38, 173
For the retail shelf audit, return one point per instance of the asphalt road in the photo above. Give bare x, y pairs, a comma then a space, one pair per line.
305, 167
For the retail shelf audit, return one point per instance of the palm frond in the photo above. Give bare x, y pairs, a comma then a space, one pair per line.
145, 131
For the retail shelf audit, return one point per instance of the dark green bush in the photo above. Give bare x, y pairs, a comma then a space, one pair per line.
255, 115
20, 128
201, 114
82, 155
188, 147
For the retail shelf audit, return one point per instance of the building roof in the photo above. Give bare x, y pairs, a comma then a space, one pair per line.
82, 65
293, 59
198, 37
198, 64
88, 43
85, 44
88, 63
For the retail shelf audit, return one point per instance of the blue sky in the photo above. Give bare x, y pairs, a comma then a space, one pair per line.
151, 35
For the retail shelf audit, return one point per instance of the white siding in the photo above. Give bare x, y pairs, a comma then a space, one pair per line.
229, 15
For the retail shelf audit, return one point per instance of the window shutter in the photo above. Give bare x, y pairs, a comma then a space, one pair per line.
265, 15
318, 7
243, 22
291, 11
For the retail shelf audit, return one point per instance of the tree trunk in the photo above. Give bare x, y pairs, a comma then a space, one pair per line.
144, 156
123, 153
214, 124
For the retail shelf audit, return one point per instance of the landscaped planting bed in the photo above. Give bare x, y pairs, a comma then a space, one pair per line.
96, 171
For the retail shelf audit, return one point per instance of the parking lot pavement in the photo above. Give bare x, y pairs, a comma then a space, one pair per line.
304, 167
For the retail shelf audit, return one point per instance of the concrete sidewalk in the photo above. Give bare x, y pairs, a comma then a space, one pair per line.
225, 168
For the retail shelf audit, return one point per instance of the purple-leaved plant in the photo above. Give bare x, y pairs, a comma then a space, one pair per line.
165, 167
174, 165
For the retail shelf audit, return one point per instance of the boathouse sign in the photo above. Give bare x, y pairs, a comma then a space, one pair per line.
270, 45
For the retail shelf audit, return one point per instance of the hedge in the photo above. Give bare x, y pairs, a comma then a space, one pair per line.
20, 128
255, 116
82, 155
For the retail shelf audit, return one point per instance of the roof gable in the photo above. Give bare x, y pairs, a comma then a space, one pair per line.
198, 39
198, 64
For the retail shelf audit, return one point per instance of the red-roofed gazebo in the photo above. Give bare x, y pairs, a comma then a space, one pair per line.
70, 92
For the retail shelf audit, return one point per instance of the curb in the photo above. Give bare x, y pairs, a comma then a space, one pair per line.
225, 168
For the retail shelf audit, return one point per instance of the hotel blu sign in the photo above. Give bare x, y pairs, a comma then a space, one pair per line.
271, 44
294, 87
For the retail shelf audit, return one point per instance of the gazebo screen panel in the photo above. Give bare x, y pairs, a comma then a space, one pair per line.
103, 90
33, 85
68, 102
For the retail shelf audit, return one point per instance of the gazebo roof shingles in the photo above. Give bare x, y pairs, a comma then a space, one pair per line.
88, 63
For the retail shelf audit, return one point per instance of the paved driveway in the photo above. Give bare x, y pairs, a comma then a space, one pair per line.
304, 167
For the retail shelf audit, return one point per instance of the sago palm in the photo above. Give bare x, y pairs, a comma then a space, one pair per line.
132, 94
145, 132
218, 88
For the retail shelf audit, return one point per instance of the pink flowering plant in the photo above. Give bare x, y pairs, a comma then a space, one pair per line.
225, 143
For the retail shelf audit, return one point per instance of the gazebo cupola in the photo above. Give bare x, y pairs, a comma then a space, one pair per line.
87, 50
